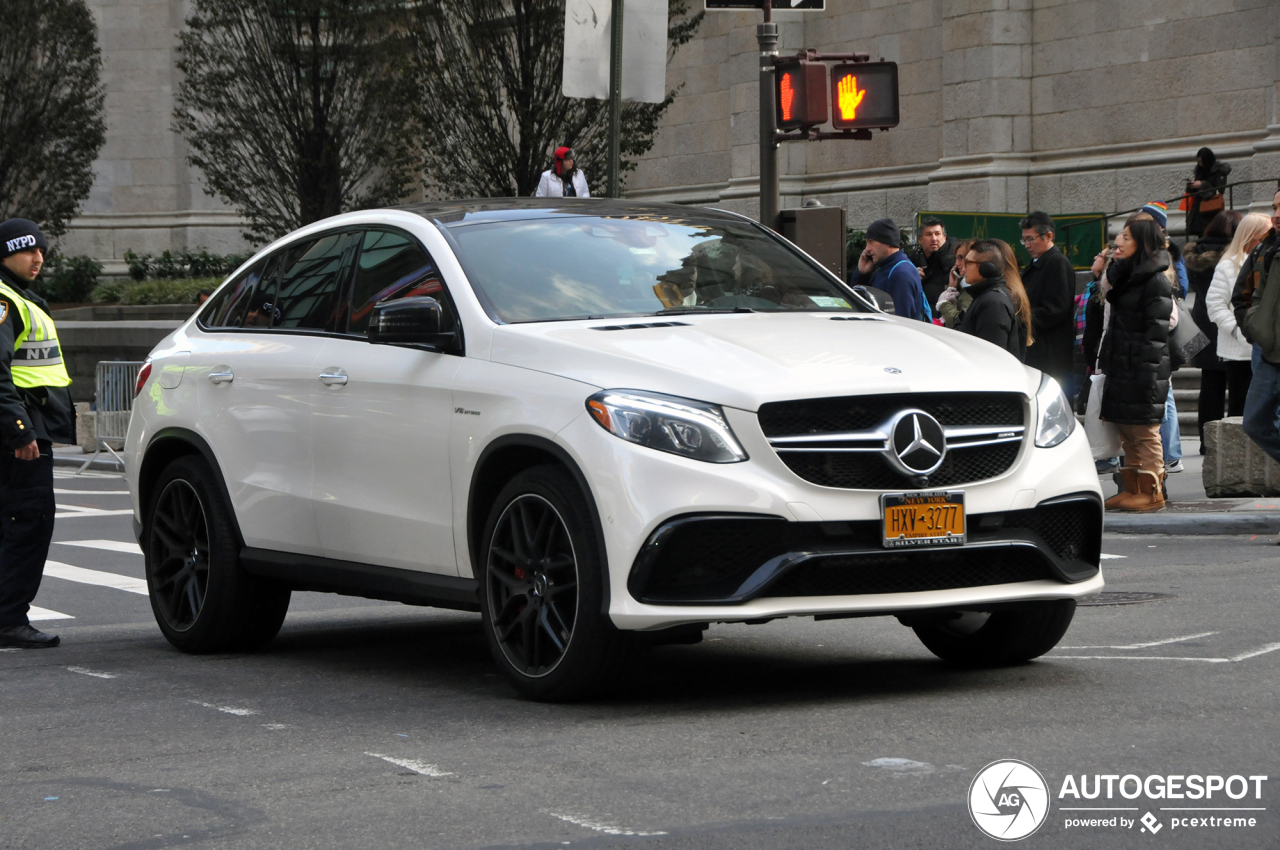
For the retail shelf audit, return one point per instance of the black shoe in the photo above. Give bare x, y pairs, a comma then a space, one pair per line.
27, 637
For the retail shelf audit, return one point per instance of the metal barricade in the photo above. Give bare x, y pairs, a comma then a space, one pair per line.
114, 381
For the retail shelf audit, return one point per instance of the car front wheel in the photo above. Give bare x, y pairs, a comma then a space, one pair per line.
202, 598
997, 638
542, 588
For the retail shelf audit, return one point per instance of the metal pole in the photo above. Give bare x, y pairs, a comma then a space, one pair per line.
767, 36
613, 187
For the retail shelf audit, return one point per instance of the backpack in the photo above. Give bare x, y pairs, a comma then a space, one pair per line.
1262, 319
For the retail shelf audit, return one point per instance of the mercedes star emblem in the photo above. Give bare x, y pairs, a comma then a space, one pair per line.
918, 445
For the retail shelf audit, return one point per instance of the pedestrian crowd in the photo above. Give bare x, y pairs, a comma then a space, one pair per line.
1151, 307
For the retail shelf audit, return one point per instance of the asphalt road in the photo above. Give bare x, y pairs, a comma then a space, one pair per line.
369, 724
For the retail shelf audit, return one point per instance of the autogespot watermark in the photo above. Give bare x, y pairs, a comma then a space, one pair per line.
1009, 800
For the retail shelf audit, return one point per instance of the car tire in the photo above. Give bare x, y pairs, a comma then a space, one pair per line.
542, 590
202, 598
1001, 637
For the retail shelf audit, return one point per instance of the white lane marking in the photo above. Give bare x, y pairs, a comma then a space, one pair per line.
68, 511
64, 492
900, 765
84, 671
90, 473
35, 613
1145, 645
1243, 656
1254, 653
274, 726
414, 765
67, 572
109, 545
226, 709
1107, 557
606, 828
10, 649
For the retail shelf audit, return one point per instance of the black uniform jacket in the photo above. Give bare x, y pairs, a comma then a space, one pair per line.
1135, 352
26, 414
937, 269
992, 317
1051, 288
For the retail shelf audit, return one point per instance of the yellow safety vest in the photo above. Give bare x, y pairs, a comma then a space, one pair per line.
37, 356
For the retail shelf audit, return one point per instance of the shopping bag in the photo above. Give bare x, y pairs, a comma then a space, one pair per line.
1104, 438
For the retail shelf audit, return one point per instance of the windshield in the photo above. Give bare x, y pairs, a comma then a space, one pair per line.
596, 267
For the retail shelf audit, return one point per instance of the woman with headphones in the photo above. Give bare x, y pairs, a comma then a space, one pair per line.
992, 315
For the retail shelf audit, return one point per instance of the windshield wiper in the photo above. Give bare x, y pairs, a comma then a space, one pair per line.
681, 311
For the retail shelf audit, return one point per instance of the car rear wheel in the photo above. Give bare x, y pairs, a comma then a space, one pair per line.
202, 598
1001, 637
542, 589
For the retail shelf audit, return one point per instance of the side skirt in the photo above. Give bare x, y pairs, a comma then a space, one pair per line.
307, 572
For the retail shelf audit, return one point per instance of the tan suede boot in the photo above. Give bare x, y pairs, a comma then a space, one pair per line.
1149, 496
1130, 476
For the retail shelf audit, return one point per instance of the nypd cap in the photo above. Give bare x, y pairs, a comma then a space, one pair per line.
19, 234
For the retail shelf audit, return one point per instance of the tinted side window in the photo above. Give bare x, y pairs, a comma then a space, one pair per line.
392, 265
261, 302
227, 308
312, 276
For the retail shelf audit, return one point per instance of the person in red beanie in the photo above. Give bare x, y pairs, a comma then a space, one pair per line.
563, 179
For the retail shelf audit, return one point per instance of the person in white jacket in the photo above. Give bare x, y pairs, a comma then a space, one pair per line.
563, 179
1235, 351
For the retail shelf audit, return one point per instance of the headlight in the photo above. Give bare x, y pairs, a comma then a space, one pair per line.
668, 424
1057, 421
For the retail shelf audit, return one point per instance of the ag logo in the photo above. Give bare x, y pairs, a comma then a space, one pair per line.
1008, 800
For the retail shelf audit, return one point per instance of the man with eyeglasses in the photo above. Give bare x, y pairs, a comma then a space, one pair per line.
1051, 288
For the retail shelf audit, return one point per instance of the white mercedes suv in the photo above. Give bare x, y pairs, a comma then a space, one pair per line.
600, 424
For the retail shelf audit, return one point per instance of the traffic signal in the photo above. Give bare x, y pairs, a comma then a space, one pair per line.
864, 95
802, 94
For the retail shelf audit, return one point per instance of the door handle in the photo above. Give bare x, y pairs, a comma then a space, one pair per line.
335, 378
224, 375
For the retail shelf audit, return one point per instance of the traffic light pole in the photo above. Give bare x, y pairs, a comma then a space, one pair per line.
613, 184
767, 36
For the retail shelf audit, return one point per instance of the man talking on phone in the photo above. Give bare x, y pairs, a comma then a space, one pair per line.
35, 410
884, 265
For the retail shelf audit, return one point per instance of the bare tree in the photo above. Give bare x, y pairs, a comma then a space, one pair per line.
490, 105
51, 105
296, 110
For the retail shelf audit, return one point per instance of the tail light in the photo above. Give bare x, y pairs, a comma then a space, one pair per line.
143, 374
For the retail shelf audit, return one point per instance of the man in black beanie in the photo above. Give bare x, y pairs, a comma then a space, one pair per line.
35, 411
884, 265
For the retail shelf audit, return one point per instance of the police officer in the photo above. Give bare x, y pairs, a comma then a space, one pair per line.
35, 411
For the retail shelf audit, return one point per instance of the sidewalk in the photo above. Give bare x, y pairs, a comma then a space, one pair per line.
1190, 511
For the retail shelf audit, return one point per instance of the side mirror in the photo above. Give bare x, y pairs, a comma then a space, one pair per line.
411, 321
876, 296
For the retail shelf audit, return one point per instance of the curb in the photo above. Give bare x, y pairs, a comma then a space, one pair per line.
75, 462
1203, 522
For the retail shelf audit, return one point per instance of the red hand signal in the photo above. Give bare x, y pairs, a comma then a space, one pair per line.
788, 96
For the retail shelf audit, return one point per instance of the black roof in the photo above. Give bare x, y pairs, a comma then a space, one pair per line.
476, 210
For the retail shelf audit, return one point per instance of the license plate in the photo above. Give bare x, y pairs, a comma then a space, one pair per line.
923, 519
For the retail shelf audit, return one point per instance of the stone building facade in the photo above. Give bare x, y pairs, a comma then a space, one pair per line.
1007, 105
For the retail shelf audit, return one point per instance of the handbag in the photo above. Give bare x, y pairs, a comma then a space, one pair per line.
1104, 437
1212, 205
1186, 340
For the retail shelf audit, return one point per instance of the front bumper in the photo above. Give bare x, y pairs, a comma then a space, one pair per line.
727, 560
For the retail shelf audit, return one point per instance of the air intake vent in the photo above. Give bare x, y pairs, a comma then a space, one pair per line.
643, 325
857, 318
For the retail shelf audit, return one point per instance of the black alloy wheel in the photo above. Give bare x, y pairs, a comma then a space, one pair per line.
543, 587
202, 598
532, 578
179, 551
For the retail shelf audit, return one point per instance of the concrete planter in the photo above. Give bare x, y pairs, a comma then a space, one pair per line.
1234, 465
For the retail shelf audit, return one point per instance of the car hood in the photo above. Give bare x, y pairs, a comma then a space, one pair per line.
746, 360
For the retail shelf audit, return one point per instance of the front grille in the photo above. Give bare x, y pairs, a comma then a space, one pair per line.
1071, 529
867, 470
846, 575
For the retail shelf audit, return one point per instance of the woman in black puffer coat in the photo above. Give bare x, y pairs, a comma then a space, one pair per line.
1135, 359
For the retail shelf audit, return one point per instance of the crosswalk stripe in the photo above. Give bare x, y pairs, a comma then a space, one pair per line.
67, 572
35, 613
61, 492
109, 545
